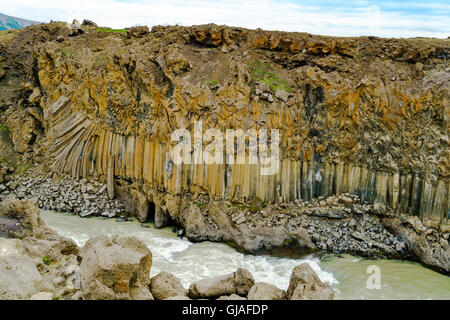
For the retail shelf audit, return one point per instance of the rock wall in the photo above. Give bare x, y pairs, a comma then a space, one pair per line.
364, 115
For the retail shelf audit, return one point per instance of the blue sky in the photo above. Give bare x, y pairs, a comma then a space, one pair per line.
339, 18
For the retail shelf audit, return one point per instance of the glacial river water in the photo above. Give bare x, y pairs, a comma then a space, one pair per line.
193, 261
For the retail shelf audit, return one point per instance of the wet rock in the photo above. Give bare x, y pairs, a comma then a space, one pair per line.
304, 284
165, 285
142, 205
243, 281
265, 291
162, 218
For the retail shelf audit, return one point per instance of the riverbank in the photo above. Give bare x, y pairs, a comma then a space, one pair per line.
346, 274
336, 224
39, 264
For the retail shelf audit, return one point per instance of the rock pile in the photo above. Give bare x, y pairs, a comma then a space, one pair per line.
84, 197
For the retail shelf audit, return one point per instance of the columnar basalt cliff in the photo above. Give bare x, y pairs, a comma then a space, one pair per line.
366, 117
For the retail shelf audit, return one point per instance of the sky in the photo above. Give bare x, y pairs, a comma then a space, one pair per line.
337, 18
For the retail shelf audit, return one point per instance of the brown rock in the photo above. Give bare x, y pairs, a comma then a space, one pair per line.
304, 284
213, 287
165, 285
265, 291
115, 268
243, 281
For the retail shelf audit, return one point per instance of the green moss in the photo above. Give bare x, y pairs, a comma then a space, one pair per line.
3, 129
110, 30
67, 53
262, 72
47, 260
212, 82
253, 208
27, 167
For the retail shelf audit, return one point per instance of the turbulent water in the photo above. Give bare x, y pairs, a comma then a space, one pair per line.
193, 261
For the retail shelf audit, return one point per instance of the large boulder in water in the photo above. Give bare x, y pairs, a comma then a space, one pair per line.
165, 285
304, 284
265, 291
115, 268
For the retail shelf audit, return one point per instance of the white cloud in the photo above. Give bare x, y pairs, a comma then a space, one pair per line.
359, 19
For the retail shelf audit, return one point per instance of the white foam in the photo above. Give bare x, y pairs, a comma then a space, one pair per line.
186, 260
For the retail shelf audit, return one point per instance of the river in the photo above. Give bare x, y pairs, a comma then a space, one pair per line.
193, 261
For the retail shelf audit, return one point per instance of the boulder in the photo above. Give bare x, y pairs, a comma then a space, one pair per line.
115, 268
283, 95
304, 284
265, 291
137, 32
165, 285
21, 219
213, 287
19, 277
75, 28
162, 218
243, 281
88, 23
141, 205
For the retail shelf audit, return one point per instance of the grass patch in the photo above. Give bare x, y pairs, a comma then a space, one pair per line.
199, 204
263, 73
27, 167
111, 30
212, 82
67, 53
3, 129
251, 208
47, 260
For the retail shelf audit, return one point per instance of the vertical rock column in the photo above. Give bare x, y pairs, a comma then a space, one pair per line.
110, 177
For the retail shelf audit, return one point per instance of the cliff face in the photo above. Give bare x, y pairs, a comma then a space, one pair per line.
365, 115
